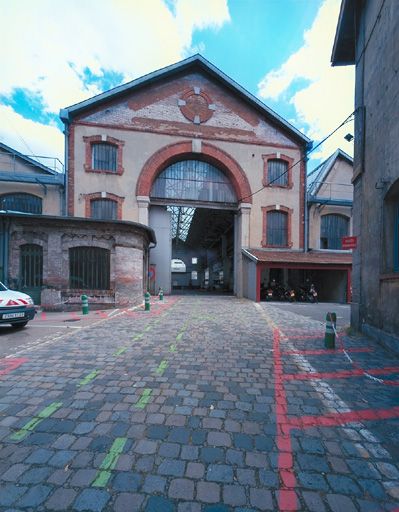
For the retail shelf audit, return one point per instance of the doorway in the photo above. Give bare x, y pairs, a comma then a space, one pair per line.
31, 270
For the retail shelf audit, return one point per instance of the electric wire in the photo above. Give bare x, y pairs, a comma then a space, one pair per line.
303, 159
371, 33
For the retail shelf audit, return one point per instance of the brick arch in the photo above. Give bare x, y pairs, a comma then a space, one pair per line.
181, 150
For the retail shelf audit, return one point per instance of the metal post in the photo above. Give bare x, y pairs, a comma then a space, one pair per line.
329, 337
147, 301
85, 304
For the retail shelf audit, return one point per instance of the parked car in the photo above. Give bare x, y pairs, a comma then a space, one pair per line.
16, 308
178, 266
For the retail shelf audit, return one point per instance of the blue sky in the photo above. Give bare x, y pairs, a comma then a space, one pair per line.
279, 50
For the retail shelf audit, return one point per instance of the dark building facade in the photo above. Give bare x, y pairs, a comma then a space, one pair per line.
367, 37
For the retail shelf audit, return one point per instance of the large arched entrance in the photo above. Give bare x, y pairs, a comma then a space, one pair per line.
194, 207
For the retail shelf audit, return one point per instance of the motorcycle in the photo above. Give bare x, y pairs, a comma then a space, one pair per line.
269, 294
312, 294
290, 294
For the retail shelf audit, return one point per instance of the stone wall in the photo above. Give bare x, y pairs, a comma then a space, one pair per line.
127, 242
375, 289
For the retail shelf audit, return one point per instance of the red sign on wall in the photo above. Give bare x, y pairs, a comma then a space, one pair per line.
349, 242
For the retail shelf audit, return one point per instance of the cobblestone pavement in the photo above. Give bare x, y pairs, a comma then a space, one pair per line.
207, 404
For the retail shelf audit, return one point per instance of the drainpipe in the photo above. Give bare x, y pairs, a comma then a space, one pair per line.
5, 227
308, 147
64, 115
66, 169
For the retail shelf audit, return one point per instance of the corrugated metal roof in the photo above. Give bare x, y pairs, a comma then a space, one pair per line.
300, 257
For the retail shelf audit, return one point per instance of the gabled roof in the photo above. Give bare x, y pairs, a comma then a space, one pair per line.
27, 160
196, 62
344, 48
318, 175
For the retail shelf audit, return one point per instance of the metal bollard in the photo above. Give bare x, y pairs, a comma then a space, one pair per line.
161, 294
147, 301
329, 338
85, 304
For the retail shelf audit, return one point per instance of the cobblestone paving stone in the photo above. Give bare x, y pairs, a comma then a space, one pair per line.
175, 410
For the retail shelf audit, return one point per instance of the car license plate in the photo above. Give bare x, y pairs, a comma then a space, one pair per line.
13, 315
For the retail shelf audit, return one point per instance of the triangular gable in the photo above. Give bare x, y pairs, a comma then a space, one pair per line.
25, 163
321, 173
196, 64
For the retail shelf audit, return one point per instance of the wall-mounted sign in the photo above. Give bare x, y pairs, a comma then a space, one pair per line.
349, 242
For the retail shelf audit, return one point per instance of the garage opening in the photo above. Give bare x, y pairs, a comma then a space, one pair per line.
192, 212
331, 285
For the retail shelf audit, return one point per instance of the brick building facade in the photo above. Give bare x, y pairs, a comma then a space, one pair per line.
190, 119
56, 259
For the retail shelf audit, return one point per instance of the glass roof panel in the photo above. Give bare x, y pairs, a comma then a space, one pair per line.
181, 218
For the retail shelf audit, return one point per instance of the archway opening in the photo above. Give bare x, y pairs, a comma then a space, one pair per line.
192, 212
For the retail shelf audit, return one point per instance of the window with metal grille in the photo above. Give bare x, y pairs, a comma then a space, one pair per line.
193, 180
89, 268
396, 241
277, 228
21, 202
333, 228
277, 171
104, 156
31, 265
390, 253
104, 209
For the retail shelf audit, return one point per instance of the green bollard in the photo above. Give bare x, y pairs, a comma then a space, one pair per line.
85, 304
147, 301
161, 294
329, 338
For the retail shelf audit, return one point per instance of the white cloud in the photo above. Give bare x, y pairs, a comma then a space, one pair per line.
52, 43
28, 137
327, 96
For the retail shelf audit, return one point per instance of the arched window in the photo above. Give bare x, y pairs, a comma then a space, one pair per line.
89, 268
277, 228
104, 156
193, 180
333, 228
277, 172
104, 209
391, 229
21, 202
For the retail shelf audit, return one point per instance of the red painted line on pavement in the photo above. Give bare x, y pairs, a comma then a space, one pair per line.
313, 337
356, 365
287, 498
344, 374
342, 418
10, 364
324, 351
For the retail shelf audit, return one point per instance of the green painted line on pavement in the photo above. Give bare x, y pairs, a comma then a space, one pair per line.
172, 348
180, 336
91, 376
109, 462
138, 336
144, 399
148, 328
120, 351
34, 422
162, 367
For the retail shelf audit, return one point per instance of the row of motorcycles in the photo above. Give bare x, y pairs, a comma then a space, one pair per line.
277, 291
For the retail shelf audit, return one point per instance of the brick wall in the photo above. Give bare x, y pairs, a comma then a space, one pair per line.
127, 244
